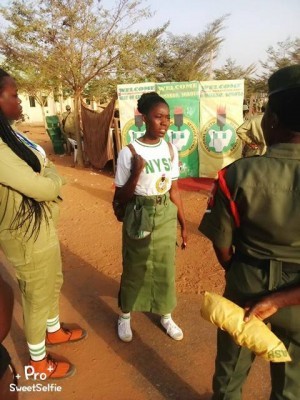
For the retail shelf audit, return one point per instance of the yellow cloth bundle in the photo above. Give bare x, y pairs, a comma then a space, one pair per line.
254, 334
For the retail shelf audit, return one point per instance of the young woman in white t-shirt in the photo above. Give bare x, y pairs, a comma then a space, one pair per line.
146, 180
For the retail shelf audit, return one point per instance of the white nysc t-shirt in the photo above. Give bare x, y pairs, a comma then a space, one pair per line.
159, 172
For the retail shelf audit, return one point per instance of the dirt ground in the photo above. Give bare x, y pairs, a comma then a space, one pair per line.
152, 366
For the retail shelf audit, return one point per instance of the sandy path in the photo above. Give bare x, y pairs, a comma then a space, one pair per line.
152, 366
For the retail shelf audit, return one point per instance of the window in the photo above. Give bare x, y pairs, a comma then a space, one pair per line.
45, 101
32, 101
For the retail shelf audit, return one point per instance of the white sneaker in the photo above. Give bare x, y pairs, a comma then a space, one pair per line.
172, 329
124, 329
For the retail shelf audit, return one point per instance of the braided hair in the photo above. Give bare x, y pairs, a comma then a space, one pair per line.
30, 211
148, 100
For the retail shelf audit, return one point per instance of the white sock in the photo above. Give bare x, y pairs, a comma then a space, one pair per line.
166, 317
37, 351
53, 324
125, 315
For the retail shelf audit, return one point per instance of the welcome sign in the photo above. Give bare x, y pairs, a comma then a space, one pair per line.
204, 119
183, 100
221, 113
132, 124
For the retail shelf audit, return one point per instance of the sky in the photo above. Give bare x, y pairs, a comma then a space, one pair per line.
251, 28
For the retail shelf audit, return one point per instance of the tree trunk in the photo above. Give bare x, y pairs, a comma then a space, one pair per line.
251, 105
80, 158
44, 115
61, 99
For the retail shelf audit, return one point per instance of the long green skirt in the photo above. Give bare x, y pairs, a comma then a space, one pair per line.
148, 278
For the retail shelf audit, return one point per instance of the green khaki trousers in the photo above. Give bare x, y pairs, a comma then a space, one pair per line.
39, 273
246, 280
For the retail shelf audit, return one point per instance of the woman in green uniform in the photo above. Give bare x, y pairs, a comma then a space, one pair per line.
146, 180
29, 202
253, 221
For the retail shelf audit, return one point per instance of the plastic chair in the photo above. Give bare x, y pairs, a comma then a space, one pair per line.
52, 121
74, 146
56, 135
58, 142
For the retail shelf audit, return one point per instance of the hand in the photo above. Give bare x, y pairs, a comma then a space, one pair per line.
138, 164
263, 309
184, 238
253, 146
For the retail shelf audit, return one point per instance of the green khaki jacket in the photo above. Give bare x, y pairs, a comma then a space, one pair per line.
266, 192
251, 134
69, 125
17, 178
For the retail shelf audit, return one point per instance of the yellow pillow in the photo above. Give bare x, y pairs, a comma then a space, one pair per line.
254, 334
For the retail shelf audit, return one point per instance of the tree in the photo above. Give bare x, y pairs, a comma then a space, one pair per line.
137, 68
282, 55
187, 57
231, 70
75, 40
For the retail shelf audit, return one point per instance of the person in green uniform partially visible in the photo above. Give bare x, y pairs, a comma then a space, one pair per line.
251, 135
253, 221
146, 180
68, 123
29, 207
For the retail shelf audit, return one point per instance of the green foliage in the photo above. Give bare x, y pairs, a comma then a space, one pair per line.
231, 70
281, 55
187, 57
72, 42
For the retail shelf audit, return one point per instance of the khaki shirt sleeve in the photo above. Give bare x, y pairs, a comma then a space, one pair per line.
217, 223
18, 175
50, 165
244, 132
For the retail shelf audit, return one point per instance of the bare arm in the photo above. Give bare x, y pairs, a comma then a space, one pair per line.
224, 256
176, 199
243, 132
125, 193
270, 304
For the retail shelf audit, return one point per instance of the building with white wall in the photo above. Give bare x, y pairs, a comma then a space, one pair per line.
32, 110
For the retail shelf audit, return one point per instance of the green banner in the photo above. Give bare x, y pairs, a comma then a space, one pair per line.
132, 124
204, 119
221, 105
183, 100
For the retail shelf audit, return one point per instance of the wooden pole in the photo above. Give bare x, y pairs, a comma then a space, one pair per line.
117, 134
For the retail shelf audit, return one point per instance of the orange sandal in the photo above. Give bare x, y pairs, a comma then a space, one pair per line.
53, 368
64, 335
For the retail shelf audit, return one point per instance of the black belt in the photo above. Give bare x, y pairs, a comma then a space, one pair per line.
265, 263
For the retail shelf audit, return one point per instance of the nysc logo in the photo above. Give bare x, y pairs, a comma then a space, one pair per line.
219, 137
133, 129
162, 184
182, 131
